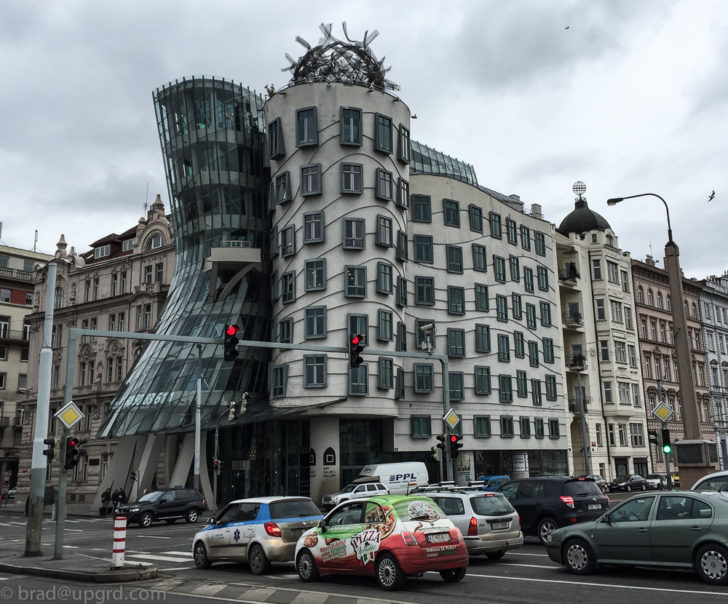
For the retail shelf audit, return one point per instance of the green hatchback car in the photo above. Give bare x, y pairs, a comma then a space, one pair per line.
670, 529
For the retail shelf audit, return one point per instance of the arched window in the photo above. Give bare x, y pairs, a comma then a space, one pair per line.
668, 302
659, 299
155, 242
650, 298
610, 240
640, 295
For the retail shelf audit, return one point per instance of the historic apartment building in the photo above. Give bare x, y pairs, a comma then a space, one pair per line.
603, 377
121, 284
658, 356
17, 268
714, 302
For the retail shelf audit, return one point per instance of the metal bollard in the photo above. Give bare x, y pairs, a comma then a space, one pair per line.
117, 556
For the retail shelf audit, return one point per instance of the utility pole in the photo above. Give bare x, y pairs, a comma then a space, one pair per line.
36, 497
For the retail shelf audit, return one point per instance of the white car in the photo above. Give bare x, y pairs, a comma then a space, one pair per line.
717, 481
259, 530
356, 490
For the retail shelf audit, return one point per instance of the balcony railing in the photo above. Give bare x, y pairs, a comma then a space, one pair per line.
573, 319
574, 406
14, 273
576, 362
15, 335
568, 274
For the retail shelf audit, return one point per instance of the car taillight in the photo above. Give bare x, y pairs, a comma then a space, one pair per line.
473, 527
408, 538
204, 503
607, 496
272, 529
568, 500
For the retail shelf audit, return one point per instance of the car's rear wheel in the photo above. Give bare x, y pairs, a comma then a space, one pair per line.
711, 563
453, 574
578, 557
389, 574
629, 488
146, 519
306, 566
257, 560
191, 516
545, 528
496, 555
200, 555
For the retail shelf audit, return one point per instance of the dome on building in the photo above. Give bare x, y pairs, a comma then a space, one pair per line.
582, 219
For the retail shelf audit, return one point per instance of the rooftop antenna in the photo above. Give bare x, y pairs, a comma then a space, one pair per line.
35, 241
650, 247
146, 198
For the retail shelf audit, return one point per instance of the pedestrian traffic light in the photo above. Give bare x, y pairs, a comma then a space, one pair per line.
231, 342
666, 444
356, 345
652, 436
50, 450
455, 445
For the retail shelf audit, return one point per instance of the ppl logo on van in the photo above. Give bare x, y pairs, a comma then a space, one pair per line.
398, 477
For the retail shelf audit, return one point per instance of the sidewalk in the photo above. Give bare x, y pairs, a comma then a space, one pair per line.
75, 566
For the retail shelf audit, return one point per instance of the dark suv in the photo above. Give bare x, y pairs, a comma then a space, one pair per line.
548, 502
166, 504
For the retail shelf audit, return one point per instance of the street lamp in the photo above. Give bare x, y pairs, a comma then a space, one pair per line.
682, 344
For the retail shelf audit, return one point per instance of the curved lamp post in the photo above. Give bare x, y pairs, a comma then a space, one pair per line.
682, 343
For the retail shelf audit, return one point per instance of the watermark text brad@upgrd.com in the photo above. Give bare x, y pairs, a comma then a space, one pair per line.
84, 595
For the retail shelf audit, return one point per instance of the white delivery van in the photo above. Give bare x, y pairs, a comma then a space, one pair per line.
400, 478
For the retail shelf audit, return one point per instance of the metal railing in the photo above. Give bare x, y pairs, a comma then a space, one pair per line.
573, 319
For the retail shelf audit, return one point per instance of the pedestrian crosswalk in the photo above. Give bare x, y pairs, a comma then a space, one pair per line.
181, 559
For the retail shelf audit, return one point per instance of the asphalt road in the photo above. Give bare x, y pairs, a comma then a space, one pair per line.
525, 575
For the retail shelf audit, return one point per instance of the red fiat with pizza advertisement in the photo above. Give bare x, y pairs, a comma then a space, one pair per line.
389, 537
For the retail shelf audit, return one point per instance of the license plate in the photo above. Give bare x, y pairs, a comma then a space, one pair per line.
438, 537
500, 525
296, 532
595, 506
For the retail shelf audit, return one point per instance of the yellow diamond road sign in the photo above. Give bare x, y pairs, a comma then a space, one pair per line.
69, 414
452, 419
662, 412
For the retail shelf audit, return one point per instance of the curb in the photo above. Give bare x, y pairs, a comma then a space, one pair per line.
126, 574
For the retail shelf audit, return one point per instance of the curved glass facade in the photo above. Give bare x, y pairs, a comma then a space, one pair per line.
212, 137
429, 161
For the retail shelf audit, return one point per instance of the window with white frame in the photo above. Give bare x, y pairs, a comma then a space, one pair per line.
403, 145
314, 371
311, 180
355, 285
313, 227
384, 236
351, 131
384, 185
354, 234
306, 127
315, 274
351, 178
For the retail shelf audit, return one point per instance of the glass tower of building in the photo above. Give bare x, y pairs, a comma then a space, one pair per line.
212, 138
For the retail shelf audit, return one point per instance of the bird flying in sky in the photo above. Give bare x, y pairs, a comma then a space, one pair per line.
711, 196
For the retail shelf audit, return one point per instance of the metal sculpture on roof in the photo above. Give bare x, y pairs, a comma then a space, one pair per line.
334, 60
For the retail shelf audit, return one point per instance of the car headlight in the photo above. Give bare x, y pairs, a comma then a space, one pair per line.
134, 509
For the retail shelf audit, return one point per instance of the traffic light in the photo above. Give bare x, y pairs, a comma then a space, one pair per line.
455, 445
666, 445
234, 410
216, 464
441, 442
72, 451
652, 436
356, 345
50, 450
231, 342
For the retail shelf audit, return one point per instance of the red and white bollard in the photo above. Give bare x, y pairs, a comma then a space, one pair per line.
117, 556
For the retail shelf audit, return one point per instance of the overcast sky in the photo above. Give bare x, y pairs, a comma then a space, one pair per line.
629, 96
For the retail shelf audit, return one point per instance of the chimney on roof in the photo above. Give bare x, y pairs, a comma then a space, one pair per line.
536, 210
515, 202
